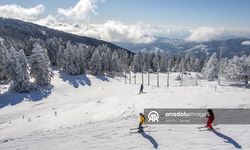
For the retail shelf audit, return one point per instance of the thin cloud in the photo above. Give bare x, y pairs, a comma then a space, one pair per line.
80, 13
118, 32
47, 21
202, 34
245, 43
205, 34
19, 12
113, 31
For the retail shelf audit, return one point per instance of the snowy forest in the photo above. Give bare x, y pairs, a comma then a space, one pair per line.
29, 65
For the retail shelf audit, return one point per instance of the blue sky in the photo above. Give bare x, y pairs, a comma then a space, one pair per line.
112, 20
180, 12
171, 12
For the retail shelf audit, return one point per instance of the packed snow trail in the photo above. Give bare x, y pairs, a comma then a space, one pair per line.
93, 113
115, 135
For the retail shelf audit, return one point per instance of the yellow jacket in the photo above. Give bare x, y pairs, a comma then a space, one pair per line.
142, 119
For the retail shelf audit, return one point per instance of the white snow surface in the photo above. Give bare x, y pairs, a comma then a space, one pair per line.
87, 112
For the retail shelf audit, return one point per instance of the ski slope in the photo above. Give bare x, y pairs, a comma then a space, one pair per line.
87, 112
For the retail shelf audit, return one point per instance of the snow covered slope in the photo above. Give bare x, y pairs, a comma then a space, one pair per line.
87, 112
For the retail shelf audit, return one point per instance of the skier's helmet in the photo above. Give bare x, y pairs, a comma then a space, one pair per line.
210, 111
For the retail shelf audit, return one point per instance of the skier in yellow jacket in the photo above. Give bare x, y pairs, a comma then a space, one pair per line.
141, 122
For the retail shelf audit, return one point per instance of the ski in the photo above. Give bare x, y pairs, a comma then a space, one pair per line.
142, 131
150, 131
201, 127
133, 132
204, 127
138, 128
209, 129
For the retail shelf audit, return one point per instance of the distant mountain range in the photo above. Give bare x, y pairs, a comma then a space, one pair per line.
230, 47
19, 31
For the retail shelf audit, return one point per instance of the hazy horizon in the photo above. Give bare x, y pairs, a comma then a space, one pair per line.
140, 21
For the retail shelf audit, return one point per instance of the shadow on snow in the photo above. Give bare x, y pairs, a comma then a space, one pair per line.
103, 78
75, 80
11, 98
227, 139
241, 85
151, 139
81, 80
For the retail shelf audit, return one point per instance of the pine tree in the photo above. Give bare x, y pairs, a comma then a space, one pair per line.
196, 65
156, 62
95, 63
124, 61
40, 66
69, 56
108, 60
2, 60
103, 62
211, 69
89, 53
248, 65
164, 63
17, 71
52, 46
114, 62
146, 66
28, 44
237, 67
224, 63
136, 63
141, 61
176, 63
182, 65
81, 58
60, 56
